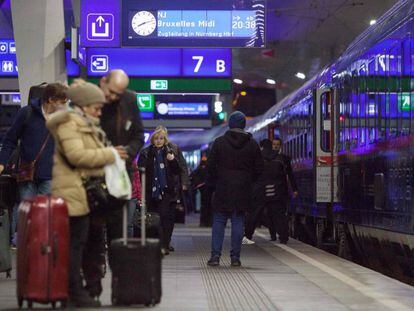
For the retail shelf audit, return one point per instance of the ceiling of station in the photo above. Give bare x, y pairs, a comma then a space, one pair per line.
302, 36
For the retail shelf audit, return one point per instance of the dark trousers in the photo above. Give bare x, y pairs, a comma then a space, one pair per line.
110, 221
166, 209
276, 219
78, 227
206, 213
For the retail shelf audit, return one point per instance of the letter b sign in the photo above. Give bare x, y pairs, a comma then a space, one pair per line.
220, 65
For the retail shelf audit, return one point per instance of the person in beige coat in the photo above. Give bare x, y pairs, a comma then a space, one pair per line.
79, 153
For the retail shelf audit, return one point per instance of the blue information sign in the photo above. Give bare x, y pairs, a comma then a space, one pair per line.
8, 60
197, 23
100, 23
160, 62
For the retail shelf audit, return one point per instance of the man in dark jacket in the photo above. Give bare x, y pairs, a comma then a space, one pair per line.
234, 164
29, 128
272, 192
122, 123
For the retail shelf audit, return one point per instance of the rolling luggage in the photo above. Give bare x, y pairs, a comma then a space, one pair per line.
136, 267
43, 252
5, 258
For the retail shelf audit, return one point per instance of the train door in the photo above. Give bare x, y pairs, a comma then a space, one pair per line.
326, 164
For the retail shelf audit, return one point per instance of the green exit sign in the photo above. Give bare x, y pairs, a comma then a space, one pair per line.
146, 102
404, 102
159, 85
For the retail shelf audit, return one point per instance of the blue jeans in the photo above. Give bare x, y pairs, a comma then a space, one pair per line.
28, 190
132, 205
237, 231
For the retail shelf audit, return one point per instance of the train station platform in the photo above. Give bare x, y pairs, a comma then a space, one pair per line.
272, 277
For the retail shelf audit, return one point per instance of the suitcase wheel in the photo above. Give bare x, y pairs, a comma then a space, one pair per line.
20, 302
54, 305
63, 304
30, 304
8, 274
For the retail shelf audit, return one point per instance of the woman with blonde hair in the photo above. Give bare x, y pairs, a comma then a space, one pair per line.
79, 154
161, 167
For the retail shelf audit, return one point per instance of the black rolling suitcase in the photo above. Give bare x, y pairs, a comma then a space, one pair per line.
136, 266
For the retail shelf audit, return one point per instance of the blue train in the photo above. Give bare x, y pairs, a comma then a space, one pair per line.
350, 133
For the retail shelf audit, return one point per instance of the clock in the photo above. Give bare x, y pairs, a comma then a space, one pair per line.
143, 23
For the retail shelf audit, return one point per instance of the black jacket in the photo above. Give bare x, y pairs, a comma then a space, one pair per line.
234, 164
122, 124
273, 182
146, 159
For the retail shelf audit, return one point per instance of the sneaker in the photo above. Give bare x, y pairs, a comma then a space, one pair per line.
247, 241
283, 242
235, 262
214, 261
171, 249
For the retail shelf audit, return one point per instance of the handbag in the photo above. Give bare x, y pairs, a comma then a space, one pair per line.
96, 193
152, 224
26, 170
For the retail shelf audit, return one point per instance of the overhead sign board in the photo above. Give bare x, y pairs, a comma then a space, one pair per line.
226, 23
183, 109
160, 63
8, 60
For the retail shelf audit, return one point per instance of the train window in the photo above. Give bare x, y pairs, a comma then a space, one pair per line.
305, 145
297, 148
325, 122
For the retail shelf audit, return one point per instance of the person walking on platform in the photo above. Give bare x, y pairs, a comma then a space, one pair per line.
79, 153
162, 168
122, 124
234, 164
34, 159
198, 180
181, 182
272, 192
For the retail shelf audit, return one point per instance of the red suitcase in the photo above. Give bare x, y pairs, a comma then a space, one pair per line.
43, 251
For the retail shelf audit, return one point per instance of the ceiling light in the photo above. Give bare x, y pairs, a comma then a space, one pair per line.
372, 22
300, 75
238, 81
270, 81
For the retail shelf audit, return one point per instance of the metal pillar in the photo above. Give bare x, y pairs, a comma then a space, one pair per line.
39, 32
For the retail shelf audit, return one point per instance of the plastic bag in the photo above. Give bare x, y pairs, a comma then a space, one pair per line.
117, 179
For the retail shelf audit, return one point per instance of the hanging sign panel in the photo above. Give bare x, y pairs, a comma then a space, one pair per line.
161, 62
8, 60
199, 23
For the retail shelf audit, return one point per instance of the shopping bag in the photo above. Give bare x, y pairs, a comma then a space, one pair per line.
117, 179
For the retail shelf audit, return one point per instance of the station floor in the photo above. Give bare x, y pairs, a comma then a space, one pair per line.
272, 277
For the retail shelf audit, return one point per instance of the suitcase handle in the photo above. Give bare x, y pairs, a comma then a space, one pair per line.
143, 205
55, 248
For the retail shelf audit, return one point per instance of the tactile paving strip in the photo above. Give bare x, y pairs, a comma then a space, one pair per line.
229, 288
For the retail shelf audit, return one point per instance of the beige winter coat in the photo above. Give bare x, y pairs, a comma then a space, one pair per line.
78, 142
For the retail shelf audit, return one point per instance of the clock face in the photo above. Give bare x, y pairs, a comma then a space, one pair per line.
144, 23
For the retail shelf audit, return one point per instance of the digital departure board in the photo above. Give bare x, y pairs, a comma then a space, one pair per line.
199, 23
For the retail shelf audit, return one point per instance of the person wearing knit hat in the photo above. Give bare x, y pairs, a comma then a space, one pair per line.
234, 164
237, 120
80, 153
